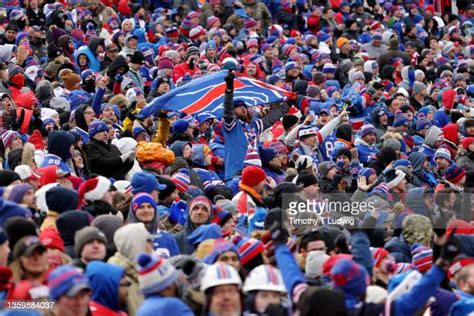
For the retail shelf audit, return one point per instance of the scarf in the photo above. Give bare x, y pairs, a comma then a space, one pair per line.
257, 197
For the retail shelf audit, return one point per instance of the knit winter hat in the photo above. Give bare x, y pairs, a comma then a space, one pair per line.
467, 141
454, 173
423, 123
51, 239
393, 178
145, 182
432, 135
96, 127
94, 189
252, 176
249, 249
182, 180
266, 155
221, 217
155, 274
8, 136
220, 246
306, 179
18, 192
366, 172
252, 159
422, 257
442, 153
350, 277
60, 199
139, 199
314, 263
378, 255
85, 236
179, 126
67, 280
392, 143
366, 129
400, 120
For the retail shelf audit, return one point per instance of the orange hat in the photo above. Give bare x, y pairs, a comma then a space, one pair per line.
341, 41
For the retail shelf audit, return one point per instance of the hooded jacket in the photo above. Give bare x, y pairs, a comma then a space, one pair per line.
59, 145
130, 241
89, 51
421, 177
105, 283
181, 237
68, 223
415, 202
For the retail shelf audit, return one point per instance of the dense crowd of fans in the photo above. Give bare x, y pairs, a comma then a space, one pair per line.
106, 210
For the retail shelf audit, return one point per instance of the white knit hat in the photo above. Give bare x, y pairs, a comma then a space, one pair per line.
155, 274
314, 263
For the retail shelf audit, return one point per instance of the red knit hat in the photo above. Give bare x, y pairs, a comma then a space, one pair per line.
466, 142
450, 132
51, 239
252, 176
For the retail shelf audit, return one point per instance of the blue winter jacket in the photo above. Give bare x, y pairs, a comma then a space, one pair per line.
154, 305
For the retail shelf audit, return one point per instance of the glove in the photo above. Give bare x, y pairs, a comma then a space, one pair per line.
124, 157
132, 156
451, 248
229, 80
340, 166
178, 213
118, 77
354, 167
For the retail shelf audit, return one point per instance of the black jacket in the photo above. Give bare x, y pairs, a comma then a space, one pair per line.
104, 159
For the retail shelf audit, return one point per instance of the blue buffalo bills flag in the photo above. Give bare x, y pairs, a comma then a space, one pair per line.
206, 94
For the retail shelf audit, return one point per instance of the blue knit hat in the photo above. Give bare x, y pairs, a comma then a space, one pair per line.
155, 274
266, 155
97, 127
47, 121
66, 280
18, 192
322, 37
423, 123
137, 130
145, 182
329, 68
366, 129
442, 153
220, 246
139, 199
204, 232
401, 163
366, 172
350, 277
400, 120
180, 126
